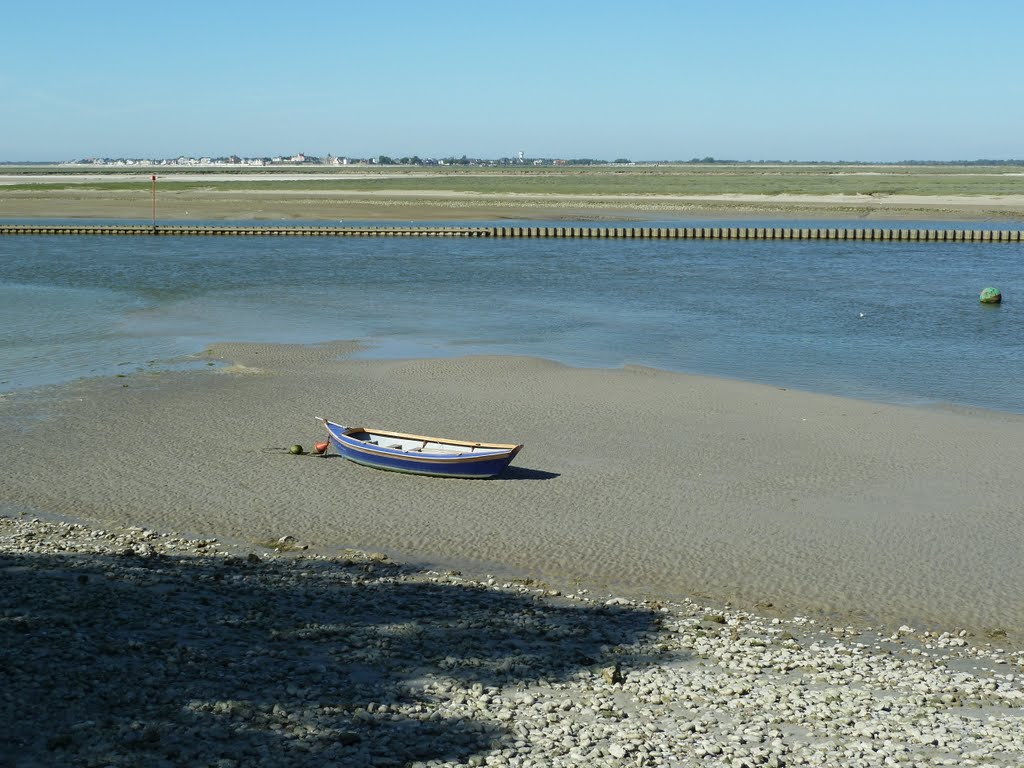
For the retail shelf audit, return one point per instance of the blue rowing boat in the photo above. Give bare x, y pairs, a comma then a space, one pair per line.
419, 454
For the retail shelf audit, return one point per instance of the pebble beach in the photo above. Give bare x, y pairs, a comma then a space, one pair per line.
132, 647
790, 579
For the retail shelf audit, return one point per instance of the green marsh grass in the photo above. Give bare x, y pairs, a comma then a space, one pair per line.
681, 179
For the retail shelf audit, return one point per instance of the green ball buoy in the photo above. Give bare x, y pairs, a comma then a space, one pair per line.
991, 296
296, 450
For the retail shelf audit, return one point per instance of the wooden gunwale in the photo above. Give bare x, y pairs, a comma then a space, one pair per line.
426, 438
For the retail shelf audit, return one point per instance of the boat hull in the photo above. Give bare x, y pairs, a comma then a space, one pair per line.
461, 459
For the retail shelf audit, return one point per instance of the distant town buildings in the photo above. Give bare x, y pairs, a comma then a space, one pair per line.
332, 160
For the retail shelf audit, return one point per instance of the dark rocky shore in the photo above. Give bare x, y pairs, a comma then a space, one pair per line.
131, 647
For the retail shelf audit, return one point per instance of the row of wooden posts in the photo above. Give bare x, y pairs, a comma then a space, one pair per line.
643, 233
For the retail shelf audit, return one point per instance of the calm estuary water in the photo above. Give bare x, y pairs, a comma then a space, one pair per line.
899, 322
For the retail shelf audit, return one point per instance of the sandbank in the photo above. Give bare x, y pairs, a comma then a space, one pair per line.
104, 201
635, 481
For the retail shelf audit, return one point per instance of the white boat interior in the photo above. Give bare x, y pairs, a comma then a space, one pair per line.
420, 445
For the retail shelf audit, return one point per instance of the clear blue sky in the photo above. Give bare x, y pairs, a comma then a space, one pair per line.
871, 80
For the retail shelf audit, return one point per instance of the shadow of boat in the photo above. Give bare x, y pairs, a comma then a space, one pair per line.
523, 473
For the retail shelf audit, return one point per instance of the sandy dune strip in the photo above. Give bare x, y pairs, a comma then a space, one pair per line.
78, 200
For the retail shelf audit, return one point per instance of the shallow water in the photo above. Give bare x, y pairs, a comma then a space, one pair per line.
898, 322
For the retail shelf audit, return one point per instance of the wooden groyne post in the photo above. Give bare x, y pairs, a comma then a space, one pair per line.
617, 233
